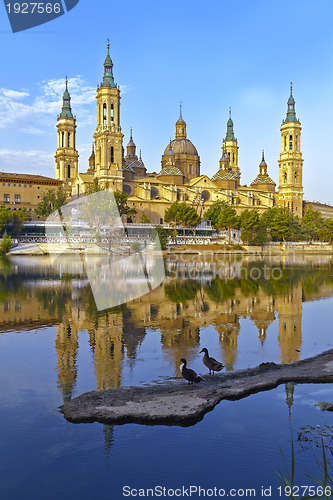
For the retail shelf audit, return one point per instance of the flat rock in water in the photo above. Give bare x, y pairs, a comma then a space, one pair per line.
177, 403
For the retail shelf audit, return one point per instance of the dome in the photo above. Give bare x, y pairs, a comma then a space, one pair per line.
181, 146
180, 121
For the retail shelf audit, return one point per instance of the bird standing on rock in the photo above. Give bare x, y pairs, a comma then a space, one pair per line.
211, 363
189, 374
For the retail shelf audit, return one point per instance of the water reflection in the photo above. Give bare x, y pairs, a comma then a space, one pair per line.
196, 294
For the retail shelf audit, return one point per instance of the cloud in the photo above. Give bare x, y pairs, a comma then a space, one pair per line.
22, 162
20, 110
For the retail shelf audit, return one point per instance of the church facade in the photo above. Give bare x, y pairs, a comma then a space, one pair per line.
180, 177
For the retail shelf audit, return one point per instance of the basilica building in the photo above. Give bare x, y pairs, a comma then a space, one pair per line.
180, 177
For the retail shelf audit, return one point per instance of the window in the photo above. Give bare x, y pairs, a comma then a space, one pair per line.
285, 142
190, 169
6, 198
112, 112
295, 177
296, 142
62, 139
104, 114
69, 139
112, 154
285, 177
17, 198
68, 171
290, 142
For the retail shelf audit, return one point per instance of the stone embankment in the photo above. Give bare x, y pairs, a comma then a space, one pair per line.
177, 403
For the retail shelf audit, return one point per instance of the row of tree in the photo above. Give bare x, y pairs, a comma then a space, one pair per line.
180, 214
275, 224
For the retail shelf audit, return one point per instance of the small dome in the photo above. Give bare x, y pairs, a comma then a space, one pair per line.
181, 146
263, 163
180, 121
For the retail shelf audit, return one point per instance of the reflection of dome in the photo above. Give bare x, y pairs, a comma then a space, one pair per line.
180, 146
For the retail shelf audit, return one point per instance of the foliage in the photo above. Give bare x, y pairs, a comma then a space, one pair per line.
163, 234
312, 222
182, 214
228, 219
5, 217
52, 200
214, 211
6, 243
18, 219
325, 232
144, 219
249, 222
121, 201
181, 292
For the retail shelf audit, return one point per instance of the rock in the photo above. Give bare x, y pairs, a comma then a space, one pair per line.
177, 403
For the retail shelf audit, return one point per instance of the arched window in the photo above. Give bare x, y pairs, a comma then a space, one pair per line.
190, 169
285, 142
295, 177
233, 157
69, 139
112, 115
296, 142
68, 171
285, 177
62, 139
112, 155
290, 142
104, 114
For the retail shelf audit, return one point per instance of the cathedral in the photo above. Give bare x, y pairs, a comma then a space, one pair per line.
180, 177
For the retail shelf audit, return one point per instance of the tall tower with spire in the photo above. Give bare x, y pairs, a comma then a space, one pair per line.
230, 145
108, 136
291, 161
66, 156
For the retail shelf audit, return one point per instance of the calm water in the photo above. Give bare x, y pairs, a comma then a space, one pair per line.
54, 345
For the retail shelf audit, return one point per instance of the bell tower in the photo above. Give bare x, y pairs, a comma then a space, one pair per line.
108, 136
66, 156
230, 145
291, 161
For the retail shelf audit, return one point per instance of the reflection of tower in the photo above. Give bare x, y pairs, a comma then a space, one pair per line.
290, 388
228, 328
66, 347
108, 351
289, 307
180, 342
108, 431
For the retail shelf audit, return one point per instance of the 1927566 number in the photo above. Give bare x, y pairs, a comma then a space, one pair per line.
300, 491
33, 8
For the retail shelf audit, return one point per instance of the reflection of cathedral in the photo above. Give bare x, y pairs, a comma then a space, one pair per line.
180, 177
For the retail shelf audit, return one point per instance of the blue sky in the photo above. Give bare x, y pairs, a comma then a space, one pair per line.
209, 55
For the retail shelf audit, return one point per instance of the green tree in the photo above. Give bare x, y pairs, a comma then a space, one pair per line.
312, 223
214, 211
5, 217
6, 243
121, 201
249, 222
18, 219
228, 219
163, 234
144, 219
326, 231
52, 200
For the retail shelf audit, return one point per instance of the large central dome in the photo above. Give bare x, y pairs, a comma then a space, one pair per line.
182, 146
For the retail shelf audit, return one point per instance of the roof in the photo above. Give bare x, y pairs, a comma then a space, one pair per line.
28, 178
225, 176
262, 179
171, 171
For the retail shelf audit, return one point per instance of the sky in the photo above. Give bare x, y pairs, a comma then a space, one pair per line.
209, 55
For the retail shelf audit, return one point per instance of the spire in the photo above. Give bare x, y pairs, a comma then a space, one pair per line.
180, 110
108, 80
66, 111
131, 148
180, 125
291, 113
230, 129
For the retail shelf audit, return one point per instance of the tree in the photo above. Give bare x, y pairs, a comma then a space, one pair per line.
214, 211
326, 231
6, 243
5, 217
18, 219
249, 222
312, 223
162, 234
228, 219
52, 200
121, 201
144, 218
182, 214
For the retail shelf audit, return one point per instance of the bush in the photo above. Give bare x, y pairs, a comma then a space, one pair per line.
6, 243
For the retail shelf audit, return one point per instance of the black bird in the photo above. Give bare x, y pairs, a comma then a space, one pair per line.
211, 363
189, 374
